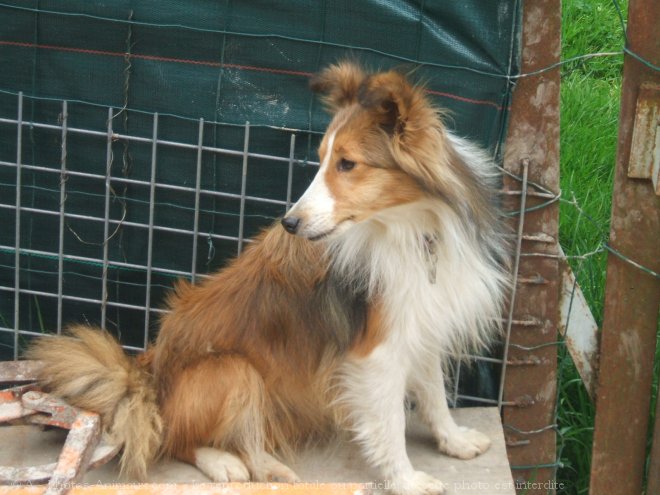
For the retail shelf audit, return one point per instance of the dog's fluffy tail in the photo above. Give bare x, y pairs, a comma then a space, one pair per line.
89, 370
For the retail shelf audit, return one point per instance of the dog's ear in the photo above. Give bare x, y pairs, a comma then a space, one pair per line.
390, 97
339, 84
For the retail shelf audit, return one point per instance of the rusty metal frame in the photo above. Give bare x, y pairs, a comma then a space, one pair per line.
632, 296
82, 449
533, 144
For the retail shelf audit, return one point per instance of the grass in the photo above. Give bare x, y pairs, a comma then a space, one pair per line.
590, 96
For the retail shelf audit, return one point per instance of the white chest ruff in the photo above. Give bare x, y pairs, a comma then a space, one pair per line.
440, 290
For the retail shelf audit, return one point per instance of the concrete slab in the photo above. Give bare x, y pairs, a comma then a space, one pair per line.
337, 463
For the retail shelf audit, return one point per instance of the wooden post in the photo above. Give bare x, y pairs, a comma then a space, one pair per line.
530, 383
632, 295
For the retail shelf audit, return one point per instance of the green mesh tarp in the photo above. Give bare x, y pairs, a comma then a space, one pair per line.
227, 62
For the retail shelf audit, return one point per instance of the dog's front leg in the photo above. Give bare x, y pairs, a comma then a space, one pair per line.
427, 382
374, 392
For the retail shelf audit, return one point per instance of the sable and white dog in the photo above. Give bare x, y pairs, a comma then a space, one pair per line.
396, 262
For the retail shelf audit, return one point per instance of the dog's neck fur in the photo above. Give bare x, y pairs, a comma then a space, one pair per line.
431, 291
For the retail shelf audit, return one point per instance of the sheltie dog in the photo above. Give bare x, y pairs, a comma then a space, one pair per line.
392, 262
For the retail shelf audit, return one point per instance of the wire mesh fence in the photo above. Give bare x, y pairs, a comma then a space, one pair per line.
107, 211
95, 192
72, 254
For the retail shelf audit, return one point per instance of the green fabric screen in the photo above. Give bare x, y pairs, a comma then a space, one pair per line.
228, 62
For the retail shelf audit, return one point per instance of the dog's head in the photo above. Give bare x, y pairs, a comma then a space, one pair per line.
382, 149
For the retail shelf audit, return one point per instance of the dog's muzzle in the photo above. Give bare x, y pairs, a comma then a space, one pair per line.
291, 224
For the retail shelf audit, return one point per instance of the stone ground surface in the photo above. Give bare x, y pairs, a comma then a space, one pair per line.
337, 463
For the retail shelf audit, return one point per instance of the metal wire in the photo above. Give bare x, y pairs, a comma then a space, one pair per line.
106, 220
512, 299
150, 241
60, 249
17, 231
198, 192
164, 142
241, 218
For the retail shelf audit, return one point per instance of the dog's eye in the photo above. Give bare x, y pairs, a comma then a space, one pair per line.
345, 165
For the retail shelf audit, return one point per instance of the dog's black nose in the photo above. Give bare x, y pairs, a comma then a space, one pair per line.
291, 224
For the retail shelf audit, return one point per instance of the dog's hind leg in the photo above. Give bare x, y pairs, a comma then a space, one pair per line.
215, 417
220, 466
265, 467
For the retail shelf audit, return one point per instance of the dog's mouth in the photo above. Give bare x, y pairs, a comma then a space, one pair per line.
328, 233
322, 235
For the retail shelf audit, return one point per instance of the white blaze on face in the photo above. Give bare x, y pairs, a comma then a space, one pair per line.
316, 206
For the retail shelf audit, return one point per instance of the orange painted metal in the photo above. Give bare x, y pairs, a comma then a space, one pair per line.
205, 488
80, 450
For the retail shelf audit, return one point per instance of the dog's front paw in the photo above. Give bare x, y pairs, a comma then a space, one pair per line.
464, 443
419, 483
